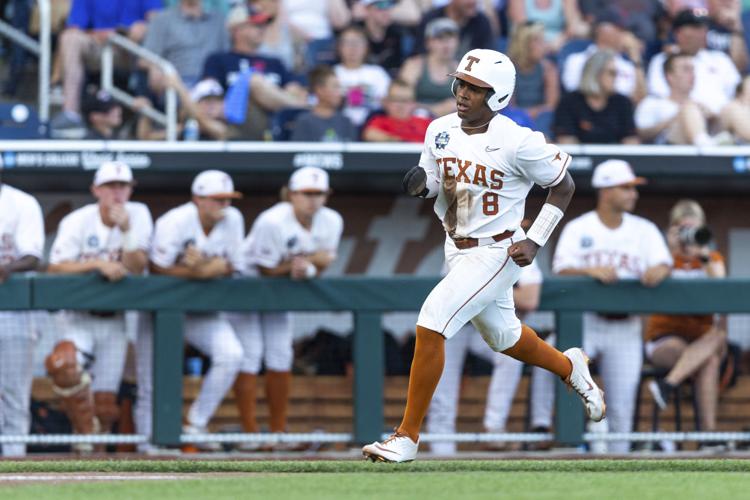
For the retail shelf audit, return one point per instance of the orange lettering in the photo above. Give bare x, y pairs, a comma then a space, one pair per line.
496, 178
480, 175
447, 169
471, 60
463, 166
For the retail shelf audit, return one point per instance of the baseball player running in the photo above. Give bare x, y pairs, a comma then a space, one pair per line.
610, 244
296, 238
21, 247
481, 165
200, 239
110, 237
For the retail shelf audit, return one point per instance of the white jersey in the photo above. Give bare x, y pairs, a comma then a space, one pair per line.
21, 225
631, 248
82, 236
277, 236
181, 226
484, 178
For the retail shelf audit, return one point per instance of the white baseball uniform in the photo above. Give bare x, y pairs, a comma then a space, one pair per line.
506, 374
21, 234
483, 183
101, 340
616, 344
277, 236
210, 333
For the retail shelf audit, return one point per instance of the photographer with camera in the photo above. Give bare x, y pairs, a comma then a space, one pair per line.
689, 346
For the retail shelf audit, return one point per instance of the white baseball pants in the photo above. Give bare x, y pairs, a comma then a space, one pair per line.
266, 339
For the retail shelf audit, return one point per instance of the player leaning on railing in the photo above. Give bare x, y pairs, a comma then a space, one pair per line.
481, 165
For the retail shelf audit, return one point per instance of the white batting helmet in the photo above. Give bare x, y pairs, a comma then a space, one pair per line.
489, 69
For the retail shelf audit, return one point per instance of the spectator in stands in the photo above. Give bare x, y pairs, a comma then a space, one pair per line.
364, 85
405, 13
476, 31
89, 25
716, 77
675, 119
610, 244
313, 24
324, 122
735, 116
562, 19
596, 113
247, 113
103, 115
184, 35
429, 73
278, 40
639, 16
610, 34
725, 31
383, 35
537, 80
399, 123
689, 346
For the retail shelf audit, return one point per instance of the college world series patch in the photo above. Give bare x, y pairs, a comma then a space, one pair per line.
441, 140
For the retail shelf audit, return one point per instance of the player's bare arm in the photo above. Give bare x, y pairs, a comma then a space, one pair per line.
113, 271
655, 275
559, 196
25, 263
321, 259
209, 269
603, 274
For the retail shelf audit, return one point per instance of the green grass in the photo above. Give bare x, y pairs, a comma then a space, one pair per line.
465, 480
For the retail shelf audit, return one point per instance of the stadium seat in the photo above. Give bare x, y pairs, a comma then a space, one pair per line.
19, 121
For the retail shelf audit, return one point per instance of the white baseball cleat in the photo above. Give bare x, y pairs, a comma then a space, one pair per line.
397, 448
581, 381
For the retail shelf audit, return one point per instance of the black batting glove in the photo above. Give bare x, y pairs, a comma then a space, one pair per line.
415, 182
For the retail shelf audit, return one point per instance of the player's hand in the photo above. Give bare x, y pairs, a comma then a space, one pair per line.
120, 217
415, 182
4, 274
604, 274
523, 252
654, 275
112, 271
192, 257
215, 267
299, 268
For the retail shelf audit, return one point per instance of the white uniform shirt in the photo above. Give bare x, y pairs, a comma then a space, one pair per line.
277, 236
631, 248
181, 226
21, 225
484, 178
573, 71
82, 236
654, 110
716, 78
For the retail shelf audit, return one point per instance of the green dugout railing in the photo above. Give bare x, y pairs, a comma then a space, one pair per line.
367, 298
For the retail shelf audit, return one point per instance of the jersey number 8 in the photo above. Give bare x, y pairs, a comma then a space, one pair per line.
490, 203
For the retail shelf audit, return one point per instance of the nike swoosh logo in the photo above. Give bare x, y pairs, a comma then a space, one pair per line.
490, 150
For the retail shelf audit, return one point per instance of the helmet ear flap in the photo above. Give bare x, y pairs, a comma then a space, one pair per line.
454, 87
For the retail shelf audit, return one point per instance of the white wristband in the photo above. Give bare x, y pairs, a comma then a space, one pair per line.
544, 224
311, 270
129, 241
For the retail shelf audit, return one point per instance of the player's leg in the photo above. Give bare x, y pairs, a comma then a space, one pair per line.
248, 331
144, 354
441, 418
65, 367
16, 363
213, 336
278, 359
620, 363
110, 350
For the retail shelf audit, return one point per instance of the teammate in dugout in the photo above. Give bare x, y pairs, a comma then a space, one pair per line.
110, 237
610, 244
21, 247
297, 238
200, 239
481, 166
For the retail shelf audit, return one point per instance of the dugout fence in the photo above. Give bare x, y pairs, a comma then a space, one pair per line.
168, 299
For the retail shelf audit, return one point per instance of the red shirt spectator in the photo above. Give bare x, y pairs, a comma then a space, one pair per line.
398, 124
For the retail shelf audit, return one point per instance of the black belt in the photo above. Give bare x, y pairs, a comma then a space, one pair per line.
614, 316
464, 243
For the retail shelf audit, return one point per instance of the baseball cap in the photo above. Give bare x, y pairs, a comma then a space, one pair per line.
309, 179
690, 17
206, 88
99, 101
214, 184
113, 171
242, 14
613, 173
441, 26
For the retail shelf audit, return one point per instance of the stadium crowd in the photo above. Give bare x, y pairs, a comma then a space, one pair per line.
663, 72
